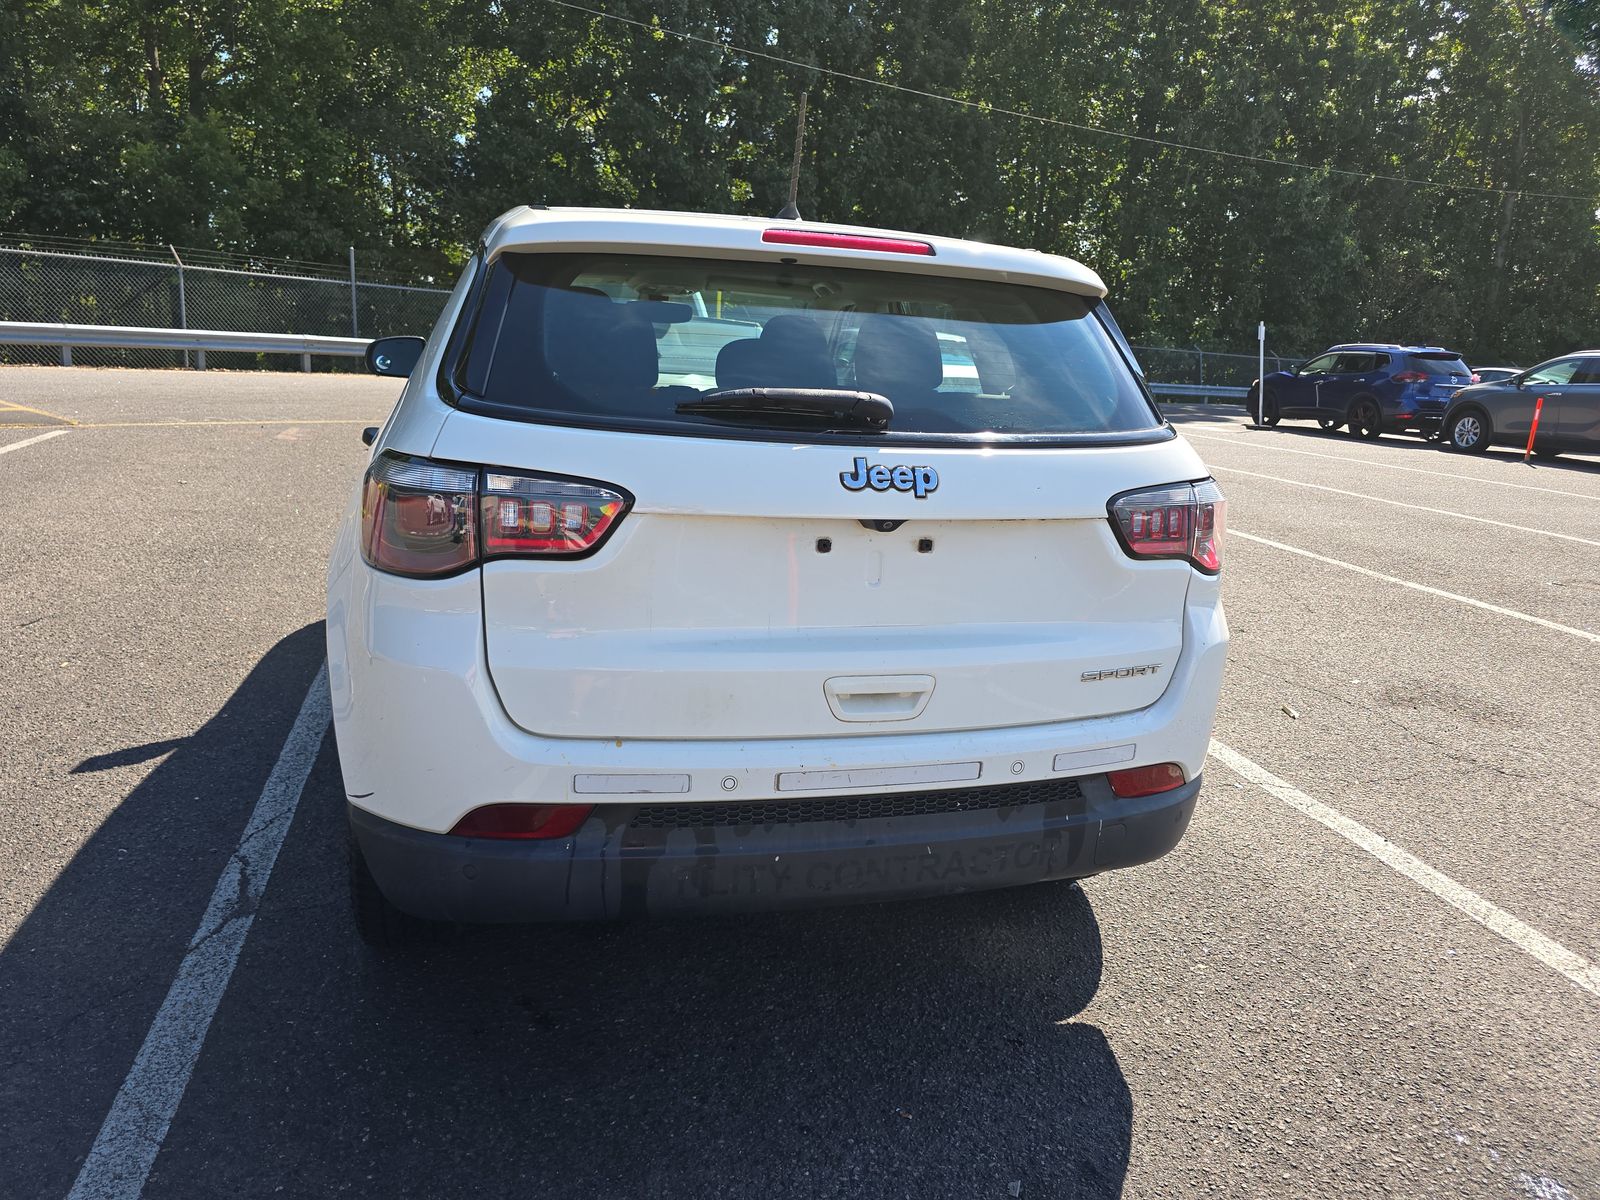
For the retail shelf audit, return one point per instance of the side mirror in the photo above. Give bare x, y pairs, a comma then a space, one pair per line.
369, 435
395, 356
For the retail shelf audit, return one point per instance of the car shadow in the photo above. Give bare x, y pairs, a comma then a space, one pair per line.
919, 1049
1567, 463
127, 756
84, 973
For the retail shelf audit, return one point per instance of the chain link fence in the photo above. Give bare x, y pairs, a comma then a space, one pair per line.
108, 283
103, 283
1169, 364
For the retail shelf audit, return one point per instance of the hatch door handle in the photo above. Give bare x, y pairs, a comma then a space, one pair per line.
878, 697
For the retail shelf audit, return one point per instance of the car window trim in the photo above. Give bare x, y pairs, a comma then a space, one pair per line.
1102, 313
451, 388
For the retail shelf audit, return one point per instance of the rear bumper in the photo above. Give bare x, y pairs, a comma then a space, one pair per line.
617, 866
1427, 423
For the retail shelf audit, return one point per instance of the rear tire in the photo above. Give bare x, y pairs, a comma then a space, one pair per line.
1469, 432
1365, 420
380, 924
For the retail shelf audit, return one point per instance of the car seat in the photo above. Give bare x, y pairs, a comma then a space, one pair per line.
600, 350
899, 357
797, 351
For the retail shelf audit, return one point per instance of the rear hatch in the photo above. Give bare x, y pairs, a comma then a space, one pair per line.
784, 573
1447, 374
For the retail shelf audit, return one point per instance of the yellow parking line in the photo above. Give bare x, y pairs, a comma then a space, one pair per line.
11, 407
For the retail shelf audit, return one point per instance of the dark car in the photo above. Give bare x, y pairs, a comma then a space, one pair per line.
1369, 388
1501, 414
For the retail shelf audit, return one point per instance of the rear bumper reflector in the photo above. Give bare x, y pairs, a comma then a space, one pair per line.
629, 785
806, 781
1077, 760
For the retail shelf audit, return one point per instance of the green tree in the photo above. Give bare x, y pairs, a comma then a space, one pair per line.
1346, 168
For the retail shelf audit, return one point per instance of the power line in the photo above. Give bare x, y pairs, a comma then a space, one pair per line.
1187, 147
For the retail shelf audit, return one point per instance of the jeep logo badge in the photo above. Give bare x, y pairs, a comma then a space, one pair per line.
919, 481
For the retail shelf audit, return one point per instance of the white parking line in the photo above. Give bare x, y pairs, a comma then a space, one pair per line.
1443, 512
1547, 950
1585, 634
120, 1160
1258, 444
43, 437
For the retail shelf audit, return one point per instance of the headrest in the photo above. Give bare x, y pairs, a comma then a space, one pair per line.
742, 364
799, 353
897, 356
594, 346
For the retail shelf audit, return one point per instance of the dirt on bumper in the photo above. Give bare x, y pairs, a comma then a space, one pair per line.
645, 860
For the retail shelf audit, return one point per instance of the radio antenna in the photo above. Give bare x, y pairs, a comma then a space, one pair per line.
791, 210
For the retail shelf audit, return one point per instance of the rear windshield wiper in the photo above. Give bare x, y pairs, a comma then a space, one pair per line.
862, 408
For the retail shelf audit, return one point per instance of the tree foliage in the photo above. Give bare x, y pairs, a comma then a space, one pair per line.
298, 127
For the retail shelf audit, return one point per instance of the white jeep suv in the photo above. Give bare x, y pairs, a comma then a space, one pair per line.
715, 563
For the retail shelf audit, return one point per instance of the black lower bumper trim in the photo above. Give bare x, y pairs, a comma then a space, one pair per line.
611, 869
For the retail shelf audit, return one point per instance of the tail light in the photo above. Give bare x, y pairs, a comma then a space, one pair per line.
528, 514
427, 520
1146, 781
417, 517
1183, 520
523, 822
845, 241
1411, 377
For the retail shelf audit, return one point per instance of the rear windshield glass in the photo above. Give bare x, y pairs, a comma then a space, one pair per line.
632, 340
1443, 365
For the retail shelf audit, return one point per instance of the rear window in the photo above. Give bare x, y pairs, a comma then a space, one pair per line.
1442, 365
626, 340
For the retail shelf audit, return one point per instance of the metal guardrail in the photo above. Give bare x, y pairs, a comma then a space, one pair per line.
1197, 389
42, 333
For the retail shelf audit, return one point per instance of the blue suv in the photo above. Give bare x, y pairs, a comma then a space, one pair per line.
1369, 388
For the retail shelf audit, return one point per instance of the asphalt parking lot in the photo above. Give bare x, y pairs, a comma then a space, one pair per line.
1290, 1004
